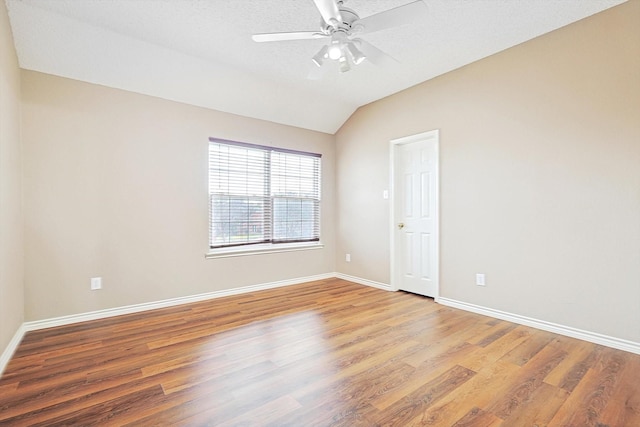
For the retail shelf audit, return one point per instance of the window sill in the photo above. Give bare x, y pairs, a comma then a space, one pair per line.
262, 249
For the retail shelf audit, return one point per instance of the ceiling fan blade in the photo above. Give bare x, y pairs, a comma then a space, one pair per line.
278, 37
375, 55
393, 17
329, 11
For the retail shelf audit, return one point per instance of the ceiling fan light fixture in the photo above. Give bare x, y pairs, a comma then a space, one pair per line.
344, 64
335, 51
356, 54
319, 57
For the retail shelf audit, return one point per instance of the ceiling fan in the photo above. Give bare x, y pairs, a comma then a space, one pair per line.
342, 26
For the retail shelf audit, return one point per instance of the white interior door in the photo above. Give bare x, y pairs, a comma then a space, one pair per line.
415, 214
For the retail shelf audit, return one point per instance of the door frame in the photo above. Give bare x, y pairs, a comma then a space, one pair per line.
431, 136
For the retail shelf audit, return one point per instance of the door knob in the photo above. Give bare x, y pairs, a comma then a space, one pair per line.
401, 225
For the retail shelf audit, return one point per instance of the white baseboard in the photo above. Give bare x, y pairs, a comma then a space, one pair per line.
620, 344
608, 341
136, 308
11, 348
361, 281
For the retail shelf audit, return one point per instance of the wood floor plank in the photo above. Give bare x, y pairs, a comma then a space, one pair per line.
495, 332
208, 396
578, 371
344, 367
410, 409
187, 377
589, 398
529, 348
122, 408
529, 414
528, 379
266, 413
431, 368
438, 350
491, 381
8, 387
624, 406
476, 417
496, 345
581, 355
324, 353
77, 369
42, 408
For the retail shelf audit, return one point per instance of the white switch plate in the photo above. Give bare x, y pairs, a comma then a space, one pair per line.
480, 279
96, 283
385, 194
347, 258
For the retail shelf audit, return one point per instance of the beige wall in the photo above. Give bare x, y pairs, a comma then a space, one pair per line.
540, 176
116, 186
540, 171
11, 252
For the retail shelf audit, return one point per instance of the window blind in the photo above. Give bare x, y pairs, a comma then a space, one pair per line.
260, 194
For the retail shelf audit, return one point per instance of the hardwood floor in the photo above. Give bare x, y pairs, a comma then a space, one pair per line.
318, 354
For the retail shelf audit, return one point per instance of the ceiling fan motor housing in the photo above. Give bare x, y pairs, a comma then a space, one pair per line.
345, 25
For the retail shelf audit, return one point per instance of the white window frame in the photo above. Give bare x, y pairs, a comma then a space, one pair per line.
268, 247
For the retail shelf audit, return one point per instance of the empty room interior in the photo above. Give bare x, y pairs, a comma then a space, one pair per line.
208, 217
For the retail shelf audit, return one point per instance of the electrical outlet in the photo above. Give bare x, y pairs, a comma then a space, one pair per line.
347, 258
480, 279
96, 283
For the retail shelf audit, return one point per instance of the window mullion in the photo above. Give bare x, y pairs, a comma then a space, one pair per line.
268, 220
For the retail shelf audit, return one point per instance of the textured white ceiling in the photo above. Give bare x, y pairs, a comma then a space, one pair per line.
200, 52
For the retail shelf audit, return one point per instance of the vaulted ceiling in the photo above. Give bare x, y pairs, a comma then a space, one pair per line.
200, 52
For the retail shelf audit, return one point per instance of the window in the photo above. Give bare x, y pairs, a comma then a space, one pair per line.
262, 195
